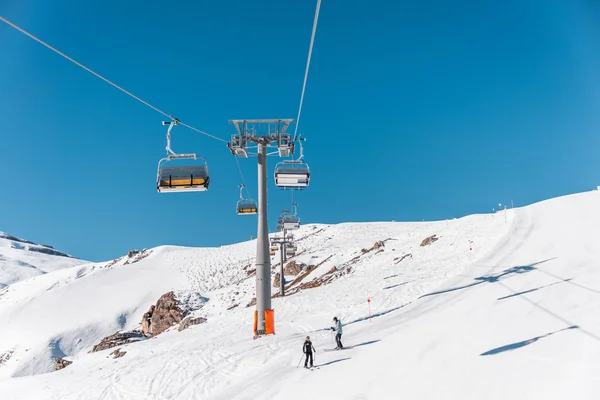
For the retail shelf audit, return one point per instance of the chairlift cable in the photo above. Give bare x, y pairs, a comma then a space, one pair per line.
202, 132
312, 40
101, 77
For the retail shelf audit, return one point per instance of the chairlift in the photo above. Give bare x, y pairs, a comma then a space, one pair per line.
273, 248
181, 178
272, 253
245, 206
291, 222
292, 174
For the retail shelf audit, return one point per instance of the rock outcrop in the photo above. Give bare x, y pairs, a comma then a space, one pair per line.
118, 353
147, 320
61, 363
118, 339
189, 321
277, 280
429, 240
166, 314
292, 268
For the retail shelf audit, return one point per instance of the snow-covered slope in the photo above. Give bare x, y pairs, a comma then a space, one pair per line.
21, 259
493, 309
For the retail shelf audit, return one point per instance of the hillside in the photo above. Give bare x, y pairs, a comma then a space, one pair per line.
493, 309
21, 259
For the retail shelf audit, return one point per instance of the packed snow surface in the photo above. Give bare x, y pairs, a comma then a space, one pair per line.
501, 306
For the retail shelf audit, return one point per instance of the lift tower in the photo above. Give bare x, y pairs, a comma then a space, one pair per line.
262, 137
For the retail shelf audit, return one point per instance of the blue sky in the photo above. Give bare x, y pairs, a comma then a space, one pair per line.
413, 111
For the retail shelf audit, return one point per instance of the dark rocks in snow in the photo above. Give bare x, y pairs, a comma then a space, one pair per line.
146, 320
429, 240
292, 268
232, 306
47, 250
118, 353
118, 339
277, 280
132, 253
398, 260
61, 363
189, 321
166, 314
252, 302
172, 308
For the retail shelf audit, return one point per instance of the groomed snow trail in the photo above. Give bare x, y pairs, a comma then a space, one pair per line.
513, 318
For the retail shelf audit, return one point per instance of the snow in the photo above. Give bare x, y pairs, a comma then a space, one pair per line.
21, 259
493, 309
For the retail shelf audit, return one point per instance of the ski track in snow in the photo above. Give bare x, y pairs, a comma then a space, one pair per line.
513, 318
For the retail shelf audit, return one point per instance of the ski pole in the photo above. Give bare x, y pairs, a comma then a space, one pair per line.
300, 361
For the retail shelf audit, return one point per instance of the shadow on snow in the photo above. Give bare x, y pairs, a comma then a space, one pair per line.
518, 345
492, 278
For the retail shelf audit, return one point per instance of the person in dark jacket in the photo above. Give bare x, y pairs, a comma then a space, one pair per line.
308, 349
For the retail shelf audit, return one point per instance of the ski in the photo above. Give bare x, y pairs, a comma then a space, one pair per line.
345, 348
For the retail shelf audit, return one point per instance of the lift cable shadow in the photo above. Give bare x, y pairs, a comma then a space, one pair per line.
553, 314
489, 279
518, 345
533, 290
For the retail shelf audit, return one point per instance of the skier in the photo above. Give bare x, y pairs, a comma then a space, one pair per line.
338, 336
308, 349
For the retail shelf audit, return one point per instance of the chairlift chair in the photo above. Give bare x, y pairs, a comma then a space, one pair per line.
246, 206
291, 223
181, 178
272, 253
292, 175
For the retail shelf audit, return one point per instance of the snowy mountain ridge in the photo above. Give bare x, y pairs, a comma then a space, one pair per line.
22, 259
486, 307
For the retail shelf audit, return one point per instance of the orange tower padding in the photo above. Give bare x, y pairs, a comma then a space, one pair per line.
270, 322
255, 321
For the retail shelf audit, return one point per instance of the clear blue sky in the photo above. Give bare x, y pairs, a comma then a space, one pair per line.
413, 110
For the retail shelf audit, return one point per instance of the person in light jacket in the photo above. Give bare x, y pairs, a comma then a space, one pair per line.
338, 336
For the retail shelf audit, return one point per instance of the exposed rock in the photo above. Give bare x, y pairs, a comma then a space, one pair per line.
61, 363
118, 339
277, 280
4, 357
232, 306
166, 314
170, 309
132, 253
378, 244
292, 268
429, 240
147, 320
252, 302
118, 353
400, 259
189, 321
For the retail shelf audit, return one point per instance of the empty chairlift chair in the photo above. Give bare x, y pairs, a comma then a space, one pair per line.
246, 206
181, 178
291, 223
292, 175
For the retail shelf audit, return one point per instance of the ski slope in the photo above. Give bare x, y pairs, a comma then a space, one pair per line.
494, 309
21, 259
